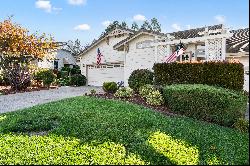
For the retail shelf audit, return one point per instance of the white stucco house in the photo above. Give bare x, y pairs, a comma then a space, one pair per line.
58, 59
62, 58
124, 50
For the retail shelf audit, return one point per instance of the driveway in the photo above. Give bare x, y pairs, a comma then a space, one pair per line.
17, 101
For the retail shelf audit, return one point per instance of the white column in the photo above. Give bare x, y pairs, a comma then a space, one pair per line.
168, 50
223, 49
156, 49
206, 50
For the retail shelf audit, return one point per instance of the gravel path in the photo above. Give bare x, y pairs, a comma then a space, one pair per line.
17, 101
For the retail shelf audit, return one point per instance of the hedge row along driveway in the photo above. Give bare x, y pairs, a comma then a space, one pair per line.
85, 130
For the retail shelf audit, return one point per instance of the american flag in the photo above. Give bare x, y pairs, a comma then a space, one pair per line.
99, 57
179, 51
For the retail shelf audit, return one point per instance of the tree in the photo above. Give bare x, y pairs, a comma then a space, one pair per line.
112, 26
75, 48
156, 26
124, 25
17, 49
146, 25
135, 26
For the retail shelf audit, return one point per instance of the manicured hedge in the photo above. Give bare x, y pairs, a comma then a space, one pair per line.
223, 74
218, 105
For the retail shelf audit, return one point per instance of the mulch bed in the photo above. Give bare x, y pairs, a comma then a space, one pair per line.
136, 99
5, 90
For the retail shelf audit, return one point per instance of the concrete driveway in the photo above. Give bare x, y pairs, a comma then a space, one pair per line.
17, 101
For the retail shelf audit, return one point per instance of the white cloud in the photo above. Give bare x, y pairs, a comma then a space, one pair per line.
220, 19
106, 23
82, 27
176, 27
77, 2
139, 17
44, 5
188, 27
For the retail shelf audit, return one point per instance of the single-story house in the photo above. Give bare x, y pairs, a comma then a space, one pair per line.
122, 51
56, 60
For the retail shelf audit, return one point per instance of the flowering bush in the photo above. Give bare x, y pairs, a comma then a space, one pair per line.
124, 92
146, 89
154, 98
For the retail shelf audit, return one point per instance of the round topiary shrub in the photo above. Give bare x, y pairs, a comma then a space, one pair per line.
78, 80
139, 78
109, 87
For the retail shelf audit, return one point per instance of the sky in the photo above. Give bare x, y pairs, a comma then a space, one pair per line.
86, 19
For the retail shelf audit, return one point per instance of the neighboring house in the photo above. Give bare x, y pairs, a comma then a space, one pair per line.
58, 59
124, 51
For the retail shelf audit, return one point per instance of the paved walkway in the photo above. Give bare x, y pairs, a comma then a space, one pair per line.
17, 101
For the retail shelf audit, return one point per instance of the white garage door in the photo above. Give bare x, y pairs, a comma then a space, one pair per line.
97, 75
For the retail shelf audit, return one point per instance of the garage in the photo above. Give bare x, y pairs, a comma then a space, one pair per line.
98, 74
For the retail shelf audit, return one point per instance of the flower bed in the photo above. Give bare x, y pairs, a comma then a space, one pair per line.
136, 99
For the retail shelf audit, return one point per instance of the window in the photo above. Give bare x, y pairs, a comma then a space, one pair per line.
56, 65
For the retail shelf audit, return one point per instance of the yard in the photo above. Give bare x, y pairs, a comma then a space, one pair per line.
87, 130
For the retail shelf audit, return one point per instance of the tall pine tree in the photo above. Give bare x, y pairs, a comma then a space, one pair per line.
156, 26
135, 26
146, 26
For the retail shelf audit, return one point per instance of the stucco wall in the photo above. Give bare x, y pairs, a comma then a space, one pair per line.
142, 58
109, 54
59, 55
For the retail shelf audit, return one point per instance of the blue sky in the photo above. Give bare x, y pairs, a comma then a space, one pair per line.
85, 19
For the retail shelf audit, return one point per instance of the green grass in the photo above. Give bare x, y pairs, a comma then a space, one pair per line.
85, 130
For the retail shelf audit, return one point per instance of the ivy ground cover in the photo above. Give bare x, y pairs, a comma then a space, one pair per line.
87, 130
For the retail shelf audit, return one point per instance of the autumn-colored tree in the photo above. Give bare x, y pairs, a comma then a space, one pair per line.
17, 49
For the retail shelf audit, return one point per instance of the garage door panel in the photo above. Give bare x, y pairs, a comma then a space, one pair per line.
96, 76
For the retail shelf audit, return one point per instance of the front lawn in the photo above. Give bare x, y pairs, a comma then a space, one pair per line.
87, 130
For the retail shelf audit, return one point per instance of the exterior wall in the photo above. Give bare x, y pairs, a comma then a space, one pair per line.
109, 54
143, 58
59, 55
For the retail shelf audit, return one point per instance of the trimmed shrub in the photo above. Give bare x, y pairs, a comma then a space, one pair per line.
93, 91
124, 92
218, 105
146, 89
139, 78
75, 70
78, 80
66, 68
154, 98
109, 87
223, 74
46, 76
242, 125
64, 81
